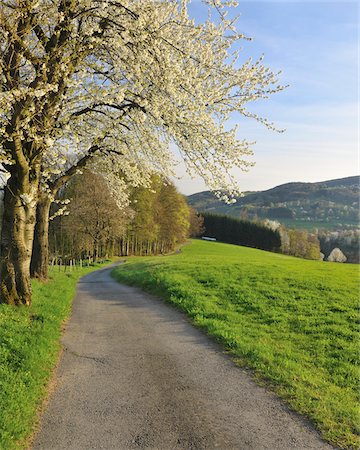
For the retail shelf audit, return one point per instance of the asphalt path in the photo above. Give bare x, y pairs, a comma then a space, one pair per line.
135, 374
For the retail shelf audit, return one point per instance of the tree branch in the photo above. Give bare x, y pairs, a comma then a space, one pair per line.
21, 46
71, 171
92, 108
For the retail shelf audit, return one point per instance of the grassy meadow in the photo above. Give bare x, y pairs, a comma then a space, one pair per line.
293, 321
29, 349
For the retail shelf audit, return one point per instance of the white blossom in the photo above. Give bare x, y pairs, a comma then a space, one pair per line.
128, 79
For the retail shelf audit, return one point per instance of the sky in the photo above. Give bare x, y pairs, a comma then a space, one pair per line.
315, 45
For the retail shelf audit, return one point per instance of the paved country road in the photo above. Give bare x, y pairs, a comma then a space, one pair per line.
135, 374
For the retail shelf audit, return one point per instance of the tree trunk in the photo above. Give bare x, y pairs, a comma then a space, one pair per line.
40, 254
17, 238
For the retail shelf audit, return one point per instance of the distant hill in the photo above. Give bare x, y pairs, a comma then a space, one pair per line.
332, 204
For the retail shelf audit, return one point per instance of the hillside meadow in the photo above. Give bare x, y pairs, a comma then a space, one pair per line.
293, 322
29, 350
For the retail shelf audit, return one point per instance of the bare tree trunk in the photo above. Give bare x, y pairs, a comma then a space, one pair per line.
40, 254
17, 238
96, 251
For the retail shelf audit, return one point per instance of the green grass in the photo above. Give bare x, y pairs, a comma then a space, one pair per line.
29, 349
294, 322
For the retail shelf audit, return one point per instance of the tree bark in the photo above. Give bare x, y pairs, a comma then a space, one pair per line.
40, 254
40, 257
17, 234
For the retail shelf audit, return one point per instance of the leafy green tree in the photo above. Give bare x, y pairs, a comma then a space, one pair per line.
143, 230
173, 216
196, 223
303, 244
161, 219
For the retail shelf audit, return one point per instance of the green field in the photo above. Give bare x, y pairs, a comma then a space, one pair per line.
294, 322
29, 349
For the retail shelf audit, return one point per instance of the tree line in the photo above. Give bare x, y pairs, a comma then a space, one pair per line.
266, 235
155, 220
241, 232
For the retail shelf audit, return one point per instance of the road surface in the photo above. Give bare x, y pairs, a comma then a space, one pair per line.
135, 374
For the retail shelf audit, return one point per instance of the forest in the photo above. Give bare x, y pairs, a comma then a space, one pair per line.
265, 235
94, 225
241, 232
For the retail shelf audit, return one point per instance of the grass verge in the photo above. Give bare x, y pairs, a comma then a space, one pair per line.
295, 322
29, 349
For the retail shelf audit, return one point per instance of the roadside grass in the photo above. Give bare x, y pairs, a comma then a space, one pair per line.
29, 349
294, 322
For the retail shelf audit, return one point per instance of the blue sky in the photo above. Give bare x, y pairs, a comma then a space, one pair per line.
315, 45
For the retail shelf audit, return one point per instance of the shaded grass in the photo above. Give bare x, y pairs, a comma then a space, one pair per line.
29, 348
294, 322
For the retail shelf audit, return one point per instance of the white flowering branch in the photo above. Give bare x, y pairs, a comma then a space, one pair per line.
127, 78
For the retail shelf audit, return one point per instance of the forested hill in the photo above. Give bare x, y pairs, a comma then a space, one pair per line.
332, 204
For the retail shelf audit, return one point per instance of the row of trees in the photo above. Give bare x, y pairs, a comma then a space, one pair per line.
294, 242
241, 232
299, 243
92, 220
268, 235
161, 220
156, 220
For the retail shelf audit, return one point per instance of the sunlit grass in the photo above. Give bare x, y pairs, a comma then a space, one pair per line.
294, 322
29, 348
